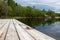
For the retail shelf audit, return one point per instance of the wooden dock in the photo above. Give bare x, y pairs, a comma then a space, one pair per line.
12, 29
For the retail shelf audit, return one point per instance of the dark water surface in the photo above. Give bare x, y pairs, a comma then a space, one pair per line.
50, 27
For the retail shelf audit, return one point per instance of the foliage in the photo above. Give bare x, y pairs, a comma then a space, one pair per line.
12, 9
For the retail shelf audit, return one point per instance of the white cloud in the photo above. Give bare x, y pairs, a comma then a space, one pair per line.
52, 3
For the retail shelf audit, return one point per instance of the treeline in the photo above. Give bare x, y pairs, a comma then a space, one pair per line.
11, 9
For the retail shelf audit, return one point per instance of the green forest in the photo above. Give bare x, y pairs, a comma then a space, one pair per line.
10, 9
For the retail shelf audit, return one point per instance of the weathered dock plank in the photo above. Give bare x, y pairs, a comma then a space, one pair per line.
3, 31
11, 34
34, 33
12, 29
22, 33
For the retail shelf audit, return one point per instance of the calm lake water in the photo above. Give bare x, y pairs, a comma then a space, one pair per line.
50, 27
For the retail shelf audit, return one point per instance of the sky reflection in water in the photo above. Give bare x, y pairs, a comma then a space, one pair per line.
52, 30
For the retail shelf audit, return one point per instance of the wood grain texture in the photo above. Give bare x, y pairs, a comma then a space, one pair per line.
12, 29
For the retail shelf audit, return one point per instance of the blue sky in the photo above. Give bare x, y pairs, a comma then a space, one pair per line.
52, 3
